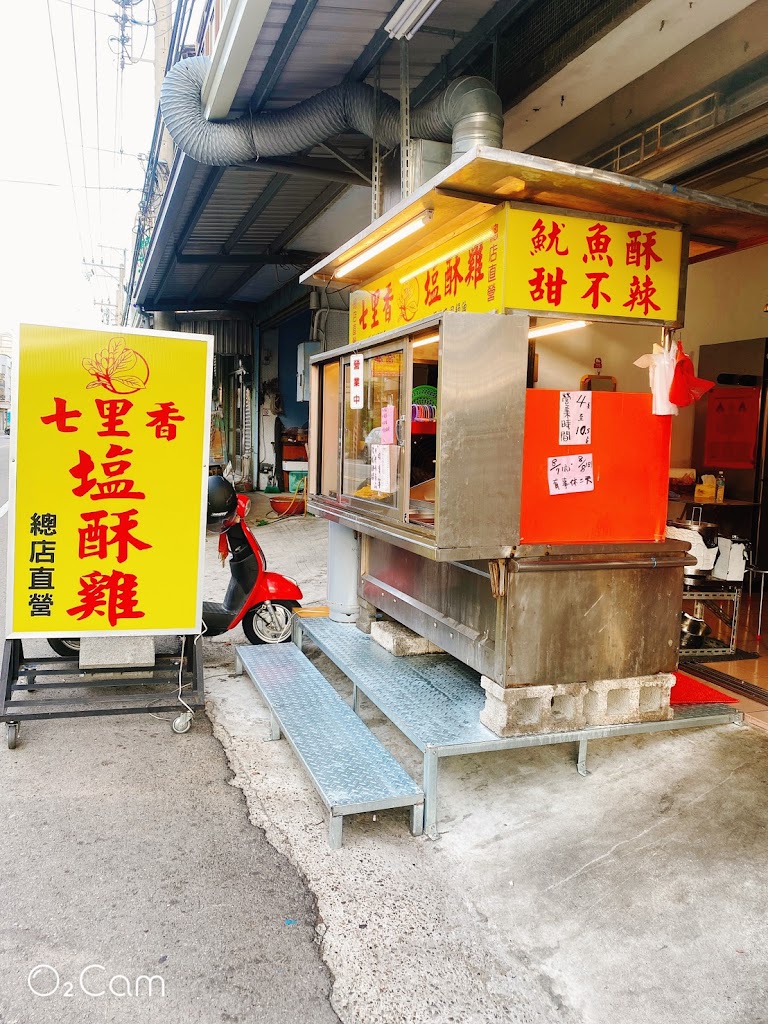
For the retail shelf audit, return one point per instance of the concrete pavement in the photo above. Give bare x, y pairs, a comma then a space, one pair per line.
636, 894
135, 888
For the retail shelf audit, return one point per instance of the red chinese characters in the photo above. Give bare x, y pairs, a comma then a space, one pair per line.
598, 245
595, 291
546, 241
546, 286
113, 592
113, 596
641, 295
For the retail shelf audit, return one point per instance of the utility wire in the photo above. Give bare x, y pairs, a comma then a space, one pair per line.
64, 127
82, 134
98, 129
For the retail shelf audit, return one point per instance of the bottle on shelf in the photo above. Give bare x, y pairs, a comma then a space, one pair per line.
720, 488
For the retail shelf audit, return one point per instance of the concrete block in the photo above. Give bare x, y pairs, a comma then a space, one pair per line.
527, 710
562, 707
110, 652
401, 641
638, 699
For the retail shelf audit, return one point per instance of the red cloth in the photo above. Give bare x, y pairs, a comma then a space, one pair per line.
688, 690
686, 387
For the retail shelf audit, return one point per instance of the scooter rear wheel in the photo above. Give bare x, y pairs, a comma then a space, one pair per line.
66, 647
262, 628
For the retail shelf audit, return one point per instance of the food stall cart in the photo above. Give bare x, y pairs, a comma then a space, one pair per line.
521, 530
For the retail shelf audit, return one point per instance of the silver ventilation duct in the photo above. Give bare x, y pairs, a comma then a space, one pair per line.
467, 113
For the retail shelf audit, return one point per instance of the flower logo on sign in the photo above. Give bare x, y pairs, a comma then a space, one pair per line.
409, 301
118, 369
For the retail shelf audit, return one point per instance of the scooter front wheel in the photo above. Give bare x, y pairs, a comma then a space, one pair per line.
270, 624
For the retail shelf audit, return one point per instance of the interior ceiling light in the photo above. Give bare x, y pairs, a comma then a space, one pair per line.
569, 325
386, 243
409, 17
430, 338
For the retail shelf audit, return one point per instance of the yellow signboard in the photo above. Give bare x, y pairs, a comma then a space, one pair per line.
591, 266
464, 275
109, 468
532, 259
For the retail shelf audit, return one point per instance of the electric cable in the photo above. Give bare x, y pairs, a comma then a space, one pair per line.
98, 130
82, 134
64, 128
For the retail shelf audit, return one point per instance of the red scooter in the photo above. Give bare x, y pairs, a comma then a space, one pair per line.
262, 601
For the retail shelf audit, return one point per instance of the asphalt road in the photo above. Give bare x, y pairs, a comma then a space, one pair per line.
135, 887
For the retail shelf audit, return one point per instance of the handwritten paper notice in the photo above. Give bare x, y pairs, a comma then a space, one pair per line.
384, 459
570, 474
575, 417
388, 424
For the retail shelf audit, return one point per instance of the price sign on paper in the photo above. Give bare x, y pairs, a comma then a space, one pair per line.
384, 459
388, 424
575, 417
570, 474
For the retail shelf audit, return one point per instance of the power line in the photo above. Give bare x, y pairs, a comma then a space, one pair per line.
98, 130
82, 135
64, 127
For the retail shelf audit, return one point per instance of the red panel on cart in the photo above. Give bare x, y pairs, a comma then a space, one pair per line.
630, 452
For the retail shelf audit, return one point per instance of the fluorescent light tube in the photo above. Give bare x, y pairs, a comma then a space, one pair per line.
426, 341
398, 235
569, 325
409, 17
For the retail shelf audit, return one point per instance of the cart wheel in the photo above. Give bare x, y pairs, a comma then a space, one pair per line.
183, 723
13, 735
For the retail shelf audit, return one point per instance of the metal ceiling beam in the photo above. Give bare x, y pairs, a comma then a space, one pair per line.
287, 258
500, 16
292, 30
213, 179
329, 195
257, 207
364, 175
373, 52
297, 225
210, 186
183, 304
305, 168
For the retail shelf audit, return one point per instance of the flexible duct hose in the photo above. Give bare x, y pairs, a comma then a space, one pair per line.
467, 112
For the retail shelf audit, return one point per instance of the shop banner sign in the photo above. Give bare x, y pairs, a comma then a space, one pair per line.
462, 275
591, 266
536, 260
109, 469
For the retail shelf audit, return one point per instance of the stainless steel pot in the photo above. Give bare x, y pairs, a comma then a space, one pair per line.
693, 626
708, 533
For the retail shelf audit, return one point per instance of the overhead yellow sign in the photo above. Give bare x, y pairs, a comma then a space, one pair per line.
531, 259
109, 468
591, 266
463, 275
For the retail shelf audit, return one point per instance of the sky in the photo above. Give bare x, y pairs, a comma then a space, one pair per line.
74, 123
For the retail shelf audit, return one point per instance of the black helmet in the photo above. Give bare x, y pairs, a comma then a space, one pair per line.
222, 500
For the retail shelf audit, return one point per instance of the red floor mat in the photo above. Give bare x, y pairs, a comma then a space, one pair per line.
688, 690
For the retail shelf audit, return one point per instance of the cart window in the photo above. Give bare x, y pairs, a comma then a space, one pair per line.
372, 466
329, 451
424, 417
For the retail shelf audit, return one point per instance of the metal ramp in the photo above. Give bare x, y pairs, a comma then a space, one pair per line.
435, 701
351, 771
